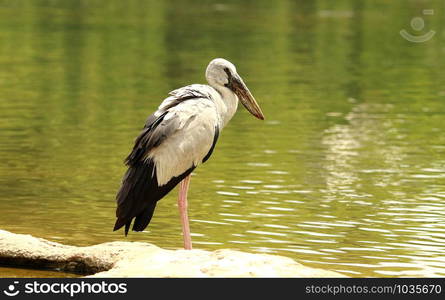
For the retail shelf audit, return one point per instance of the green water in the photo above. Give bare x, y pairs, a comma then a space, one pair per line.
347, 173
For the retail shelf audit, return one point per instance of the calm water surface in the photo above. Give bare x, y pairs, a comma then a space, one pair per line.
347, 173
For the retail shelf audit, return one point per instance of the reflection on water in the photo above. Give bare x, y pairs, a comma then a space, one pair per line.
346, 173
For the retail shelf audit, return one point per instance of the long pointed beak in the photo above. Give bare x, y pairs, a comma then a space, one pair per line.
245, 96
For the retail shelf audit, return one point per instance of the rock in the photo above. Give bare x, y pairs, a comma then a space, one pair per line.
134, 259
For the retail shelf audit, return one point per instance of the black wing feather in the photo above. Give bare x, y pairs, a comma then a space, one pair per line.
146, 140
215, 139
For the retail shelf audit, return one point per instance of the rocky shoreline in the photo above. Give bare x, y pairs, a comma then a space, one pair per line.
135, 259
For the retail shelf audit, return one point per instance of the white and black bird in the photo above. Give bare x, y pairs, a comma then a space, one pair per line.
176, 138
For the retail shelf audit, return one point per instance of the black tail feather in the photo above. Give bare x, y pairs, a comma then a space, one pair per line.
139, 194
142, 220
127, 227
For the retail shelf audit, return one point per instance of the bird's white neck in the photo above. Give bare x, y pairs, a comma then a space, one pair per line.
226, 104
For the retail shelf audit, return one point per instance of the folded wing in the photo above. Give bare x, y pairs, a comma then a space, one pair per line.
179, 136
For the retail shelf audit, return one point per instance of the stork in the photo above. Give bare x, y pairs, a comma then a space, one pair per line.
180, 135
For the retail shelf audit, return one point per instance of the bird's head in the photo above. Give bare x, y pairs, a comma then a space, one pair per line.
222, 73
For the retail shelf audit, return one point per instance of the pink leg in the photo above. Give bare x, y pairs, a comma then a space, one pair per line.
182, 205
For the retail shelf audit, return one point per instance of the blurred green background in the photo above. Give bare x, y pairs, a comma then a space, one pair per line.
347, 173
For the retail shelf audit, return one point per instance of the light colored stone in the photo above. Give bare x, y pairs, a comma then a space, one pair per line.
133, 259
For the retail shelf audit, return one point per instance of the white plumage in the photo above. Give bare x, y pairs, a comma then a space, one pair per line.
195, 121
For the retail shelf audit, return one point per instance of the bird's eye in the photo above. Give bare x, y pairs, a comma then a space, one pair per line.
227, 71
